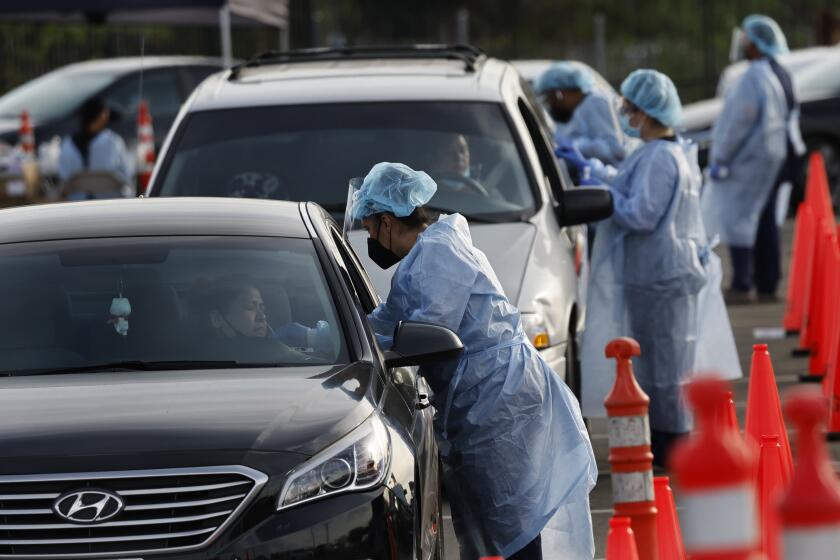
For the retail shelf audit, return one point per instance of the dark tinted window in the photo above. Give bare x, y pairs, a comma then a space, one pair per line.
89, 302
196, 74
310, 152
160, 90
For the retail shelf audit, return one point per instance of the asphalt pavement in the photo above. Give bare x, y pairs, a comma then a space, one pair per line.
745, 320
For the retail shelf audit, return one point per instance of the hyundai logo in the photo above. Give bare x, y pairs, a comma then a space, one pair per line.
88, 506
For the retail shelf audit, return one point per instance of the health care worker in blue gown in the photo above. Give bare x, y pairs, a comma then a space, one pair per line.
648, 261
585, 115
518, 464
754, 137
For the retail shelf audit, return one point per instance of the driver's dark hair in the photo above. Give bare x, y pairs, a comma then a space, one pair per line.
421, 216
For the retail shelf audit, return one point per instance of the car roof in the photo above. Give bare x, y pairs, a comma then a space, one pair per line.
135, 63
152, 217
338, 81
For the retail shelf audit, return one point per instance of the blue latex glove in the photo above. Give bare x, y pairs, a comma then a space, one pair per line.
718, 172
572, 156
587, 178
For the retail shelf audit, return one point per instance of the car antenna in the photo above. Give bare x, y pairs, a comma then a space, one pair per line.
142, 68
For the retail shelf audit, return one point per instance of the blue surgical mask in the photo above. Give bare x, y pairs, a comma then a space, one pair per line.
628, 129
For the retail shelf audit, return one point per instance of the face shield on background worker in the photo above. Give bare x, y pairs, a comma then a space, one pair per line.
510, 476
649, 264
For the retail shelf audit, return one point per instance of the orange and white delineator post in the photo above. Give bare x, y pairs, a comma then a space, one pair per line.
630, 457
810, 511
145, 146
26, 136
715, 473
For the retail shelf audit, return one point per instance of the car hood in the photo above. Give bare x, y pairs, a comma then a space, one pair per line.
298, 410
507, 246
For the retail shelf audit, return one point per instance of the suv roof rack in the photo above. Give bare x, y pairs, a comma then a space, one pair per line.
468, 54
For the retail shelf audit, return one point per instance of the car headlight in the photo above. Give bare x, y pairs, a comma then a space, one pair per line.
358, 461
537, 330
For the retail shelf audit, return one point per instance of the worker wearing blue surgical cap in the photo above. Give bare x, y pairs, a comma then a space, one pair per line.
516, 454
756, 146
585, 115
648, 261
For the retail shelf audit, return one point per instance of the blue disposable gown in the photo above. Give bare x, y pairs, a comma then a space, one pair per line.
595, 129
750, 138
647, 271
515, 450
106, 152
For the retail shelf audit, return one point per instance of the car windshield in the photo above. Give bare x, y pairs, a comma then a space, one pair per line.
310, 152
55, 94
165, 303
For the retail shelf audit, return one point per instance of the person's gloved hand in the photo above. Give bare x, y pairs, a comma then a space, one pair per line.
718, 172
588, 178
572, 156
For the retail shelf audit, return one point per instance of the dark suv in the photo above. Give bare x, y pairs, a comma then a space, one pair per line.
195, 379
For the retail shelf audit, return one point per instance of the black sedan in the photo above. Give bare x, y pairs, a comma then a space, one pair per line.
195, 379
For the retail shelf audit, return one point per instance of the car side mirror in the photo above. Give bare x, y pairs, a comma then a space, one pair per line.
418, 344
583, 205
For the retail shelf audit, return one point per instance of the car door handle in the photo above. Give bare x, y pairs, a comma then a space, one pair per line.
422, 402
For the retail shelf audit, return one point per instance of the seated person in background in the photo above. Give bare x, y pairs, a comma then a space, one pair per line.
233, 306
451, 167
94, 147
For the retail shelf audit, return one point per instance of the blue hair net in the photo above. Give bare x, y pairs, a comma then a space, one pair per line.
565, 75
765, 34
654, 93
394, 188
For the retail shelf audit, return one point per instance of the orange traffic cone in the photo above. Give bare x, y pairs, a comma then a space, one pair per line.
716, 477
26, 136
764, 410
726, 413
831, 381
829, 320
810, 509
621, 544
667, 524
772, 481
819, 321
817, 190
816, 303
799, 268
145, 146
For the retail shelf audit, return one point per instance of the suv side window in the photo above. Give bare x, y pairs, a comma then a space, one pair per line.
160, 89
547, 160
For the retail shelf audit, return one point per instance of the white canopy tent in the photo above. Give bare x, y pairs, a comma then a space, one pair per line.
224, 13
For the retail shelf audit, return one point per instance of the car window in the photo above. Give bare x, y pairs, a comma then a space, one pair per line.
160, 90
55, 95
363, 287
547, 160
310, 152
196, 74
247, 301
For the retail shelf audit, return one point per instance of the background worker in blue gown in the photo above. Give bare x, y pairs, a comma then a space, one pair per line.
585, 115
754, 137
518, 464
648, 262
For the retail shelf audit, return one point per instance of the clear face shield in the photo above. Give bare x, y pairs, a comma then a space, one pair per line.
350, 223
737, 45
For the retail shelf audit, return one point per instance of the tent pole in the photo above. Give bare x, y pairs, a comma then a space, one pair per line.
224, 29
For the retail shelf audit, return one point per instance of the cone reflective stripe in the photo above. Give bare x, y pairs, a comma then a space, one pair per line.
26, 136
764, 409
145, 145
630, 457
668, 531
800, 268
810, 510
621, 542
715, 474
772, 482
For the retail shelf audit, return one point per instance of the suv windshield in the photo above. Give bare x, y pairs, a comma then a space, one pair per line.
55, 94
164, 303
309, 152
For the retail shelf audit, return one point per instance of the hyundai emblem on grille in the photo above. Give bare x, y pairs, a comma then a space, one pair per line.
88, 506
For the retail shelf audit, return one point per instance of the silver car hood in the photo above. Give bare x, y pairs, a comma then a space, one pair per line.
507, 246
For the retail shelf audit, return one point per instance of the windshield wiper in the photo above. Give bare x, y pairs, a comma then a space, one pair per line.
132, 365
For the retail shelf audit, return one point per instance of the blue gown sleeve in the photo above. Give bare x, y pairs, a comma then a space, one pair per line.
642, 204
69, 159
603, 137
741, 111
